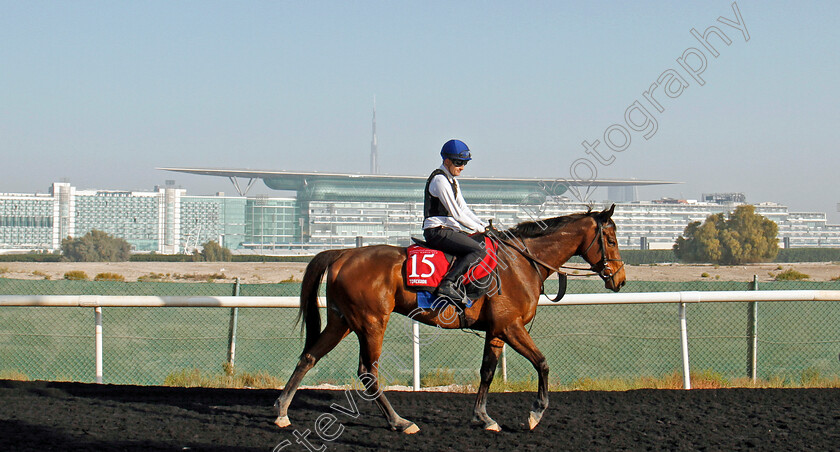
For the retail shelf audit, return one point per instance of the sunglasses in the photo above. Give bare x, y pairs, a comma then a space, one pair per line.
459, 162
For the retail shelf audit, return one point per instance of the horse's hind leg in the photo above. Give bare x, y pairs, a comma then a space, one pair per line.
521, 341
492, 350
333, 333
370, 350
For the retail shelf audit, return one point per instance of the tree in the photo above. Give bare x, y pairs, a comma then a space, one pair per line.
742, 238
96, 246
213, 252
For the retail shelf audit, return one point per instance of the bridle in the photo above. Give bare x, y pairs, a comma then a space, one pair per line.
605, 272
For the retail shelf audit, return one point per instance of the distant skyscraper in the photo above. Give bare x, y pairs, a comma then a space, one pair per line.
374, 147
622, 194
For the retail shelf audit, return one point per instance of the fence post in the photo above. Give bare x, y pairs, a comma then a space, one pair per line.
684, 343
97, 347
504, 363
415, 333
752, 340
234, 319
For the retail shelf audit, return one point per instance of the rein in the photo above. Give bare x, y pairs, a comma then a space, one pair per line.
527, 254
561, 289
605, 273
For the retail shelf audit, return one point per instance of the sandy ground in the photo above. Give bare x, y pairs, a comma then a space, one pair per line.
255, 273
247, 272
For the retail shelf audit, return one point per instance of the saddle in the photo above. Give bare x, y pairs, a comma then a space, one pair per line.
425, 267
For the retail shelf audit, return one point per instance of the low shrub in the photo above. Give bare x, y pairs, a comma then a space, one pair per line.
791, 275
808, 255
109, 277
30, 257
76, 275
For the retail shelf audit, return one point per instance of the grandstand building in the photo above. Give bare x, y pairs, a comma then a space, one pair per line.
342, 210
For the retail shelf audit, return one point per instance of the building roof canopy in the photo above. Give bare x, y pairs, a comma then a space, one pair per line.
343, 186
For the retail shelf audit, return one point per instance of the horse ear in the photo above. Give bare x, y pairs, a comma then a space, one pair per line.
606, 214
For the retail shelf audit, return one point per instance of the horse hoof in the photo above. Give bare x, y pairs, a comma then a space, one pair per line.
411, 429
283, 422
533, 420
494, 427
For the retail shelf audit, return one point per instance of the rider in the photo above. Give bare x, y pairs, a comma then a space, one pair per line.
448, 219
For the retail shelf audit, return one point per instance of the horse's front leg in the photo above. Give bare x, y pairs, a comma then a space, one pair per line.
521, 341
492, 350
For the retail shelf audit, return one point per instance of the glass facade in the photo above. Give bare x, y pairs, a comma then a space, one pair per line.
168, 221
375, 222
164, 221
650, 224
26, 221
271, 222
132, 216
205, 218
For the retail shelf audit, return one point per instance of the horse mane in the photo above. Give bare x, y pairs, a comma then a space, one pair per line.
531, 229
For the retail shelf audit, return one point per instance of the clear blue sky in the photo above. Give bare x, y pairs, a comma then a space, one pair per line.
102, 93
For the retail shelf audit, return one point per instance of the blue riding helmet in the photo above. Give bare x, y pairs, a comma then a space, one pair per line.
455, 149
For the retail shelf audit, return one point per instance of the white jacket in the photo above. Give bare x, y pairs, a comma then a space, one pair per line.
461, 218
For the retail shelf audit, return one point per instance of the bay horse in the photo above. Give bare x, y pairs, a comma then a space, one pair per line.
365, 285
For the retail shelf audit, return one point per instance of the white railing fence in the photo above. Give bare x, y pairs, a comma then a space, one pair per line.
681, 299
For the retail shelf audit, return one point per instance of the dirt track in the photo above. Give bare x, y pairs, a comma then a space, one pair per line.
72, 416
256, 272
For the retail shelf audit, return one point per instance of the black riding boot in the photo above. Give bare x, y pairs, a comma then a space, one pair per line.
449, 288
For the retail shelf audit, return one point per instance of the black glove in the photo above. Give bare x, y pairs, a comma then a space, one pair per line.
490, 227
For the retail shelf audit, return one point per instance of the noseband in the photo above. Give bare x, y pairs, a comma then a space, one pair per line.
605, 272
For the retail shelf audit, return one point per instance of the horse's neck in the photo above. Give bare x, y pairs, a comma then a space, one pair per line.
556, 248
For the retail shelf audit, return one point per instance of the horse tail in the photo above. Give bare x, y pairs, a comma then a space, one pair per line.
309, 295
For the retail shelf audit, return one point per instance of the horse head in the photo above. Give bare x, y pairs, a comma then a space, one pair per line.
602, 251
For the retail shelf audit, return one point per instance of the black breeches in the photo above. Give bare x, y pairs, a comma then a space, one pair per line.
467, 251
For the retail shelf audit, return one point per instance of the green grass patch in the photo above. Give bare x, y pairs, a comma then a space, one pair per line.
438, 377
228, 378
706, 379
13, 375
791, 275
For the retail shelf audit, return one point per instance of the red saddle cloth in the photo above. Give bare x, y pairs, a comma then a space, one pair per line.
425, 267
